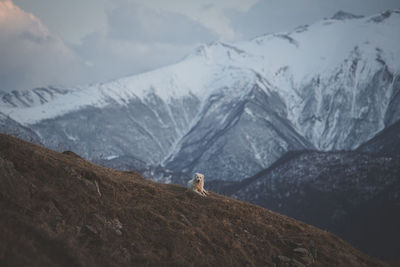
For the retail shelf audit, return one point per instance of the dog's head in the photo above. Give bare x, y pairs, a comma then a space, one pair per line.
198, 178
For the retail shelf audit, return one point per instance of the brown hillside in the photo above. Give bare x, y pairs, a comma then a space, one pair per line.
60, 210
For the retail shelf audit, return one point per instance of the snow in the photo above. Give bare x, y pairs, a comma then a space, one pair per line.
286, 60
248, 111
313, 83
62, 104
111, 157
70, 137
190, 76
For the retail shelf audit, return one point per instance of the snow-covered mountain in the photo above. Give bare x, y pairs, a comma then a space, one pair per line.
230, 110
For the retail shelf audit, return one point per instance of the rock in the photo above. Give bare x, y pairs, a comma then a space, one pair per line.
90, 229
117, 224
114, 225
185, 220
118, 232
306, 255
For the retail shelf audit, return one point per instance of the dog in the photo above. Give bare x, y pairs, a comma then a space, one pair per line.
197, 184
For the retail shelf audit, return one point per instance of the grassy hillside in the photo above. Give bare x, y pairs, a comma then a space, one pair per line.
60, 210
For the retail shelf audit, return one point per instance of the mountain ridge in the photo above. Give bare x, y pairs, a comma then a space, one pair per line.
334, 191
386, 141
321, 95
74, 213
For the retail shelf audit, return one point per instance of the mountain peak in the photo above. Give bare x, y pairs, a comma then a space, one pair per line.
172, 110
384, 15
342, 15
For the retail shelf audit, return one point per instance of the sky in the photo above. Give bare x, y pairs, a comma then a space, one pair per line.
74, 43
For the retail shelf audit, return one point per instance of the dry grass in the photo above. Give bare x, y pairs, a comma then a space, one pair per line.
60, 210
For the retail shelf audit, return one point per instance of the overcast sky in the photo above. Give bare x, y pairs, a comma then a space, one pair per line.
68, 43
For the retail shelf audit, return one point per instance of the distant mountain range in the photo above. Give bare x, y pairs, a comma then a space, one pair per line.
229, 110
354, 195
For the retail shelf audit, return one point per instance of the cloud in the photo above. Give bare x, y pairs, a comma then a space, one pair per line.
140, 38
137, 38
100, 40
72, 19
30, 55
134, 22
144, 35
212, 14
111, 58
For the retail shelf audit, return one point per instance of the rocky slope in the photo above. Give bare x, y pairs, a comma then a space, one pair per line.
385, 142
60, 210
10, 126
230, 110
354, 195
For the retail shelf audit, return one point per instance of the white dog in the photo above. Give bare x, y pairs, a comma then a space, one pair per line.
197, 184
